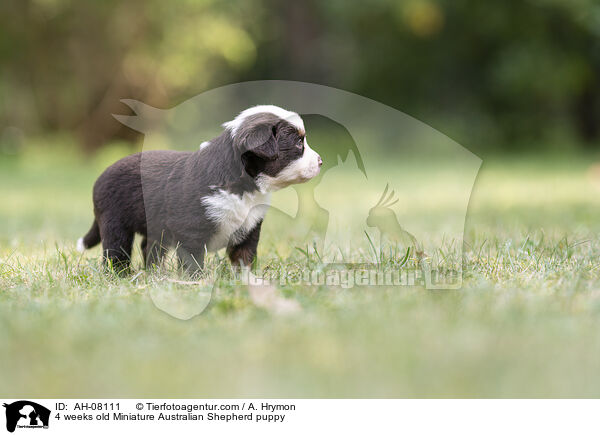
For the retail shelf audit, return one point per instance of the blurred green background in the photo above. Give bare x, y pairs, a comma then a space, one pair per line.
516, 82
494, 76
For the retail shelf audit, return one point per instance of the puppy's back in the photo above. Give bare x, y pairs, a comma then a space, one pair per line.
119, 191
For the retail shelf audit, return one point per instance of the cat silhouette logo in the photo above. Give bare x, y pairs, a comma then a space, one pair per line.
25, 414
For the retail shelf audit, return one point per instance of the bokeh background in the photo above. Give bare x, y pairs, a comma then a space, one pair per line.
517, 82
495, 76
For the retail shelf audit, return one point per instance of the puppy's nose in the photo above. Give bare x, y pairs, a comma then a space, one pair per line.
320, 161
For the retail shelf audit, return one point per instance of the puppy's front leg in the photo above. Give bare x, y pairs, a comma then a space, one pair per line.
262, 293
192, 261
244, 252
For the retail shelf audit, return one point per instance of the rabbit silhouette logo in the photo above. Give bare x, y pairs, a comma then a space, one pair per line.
25, 414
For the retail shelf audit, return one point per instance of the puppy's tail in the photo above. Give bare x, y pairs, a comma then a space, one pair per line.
91, 239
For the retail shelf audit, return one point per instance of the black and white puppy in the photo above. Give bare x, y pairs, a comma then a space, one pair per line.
208, 199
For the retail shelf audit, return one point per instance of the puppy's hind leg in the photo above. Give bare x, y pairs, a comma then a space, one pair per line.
116, 248
191, 260
153, 252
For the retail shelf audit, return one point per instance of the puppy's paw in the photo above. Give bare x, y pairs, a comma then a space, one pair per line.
266, 296
286, 307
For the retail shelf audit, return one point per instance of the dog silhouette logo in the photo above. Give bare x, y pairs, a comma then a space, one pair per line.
25, 414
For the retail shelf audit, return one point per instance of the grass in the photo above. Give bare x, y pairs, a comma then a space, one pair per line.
525, 324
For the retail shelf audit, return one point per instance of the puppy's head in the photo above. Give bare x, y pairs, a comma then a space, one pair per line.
273, 148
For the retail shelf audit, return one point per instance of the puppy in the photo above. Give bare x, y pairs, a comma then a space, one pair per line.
204, 200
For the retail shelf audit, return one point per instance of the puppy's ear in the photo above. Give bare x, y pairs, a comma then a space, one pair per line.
254, 161
262, 144
257, 143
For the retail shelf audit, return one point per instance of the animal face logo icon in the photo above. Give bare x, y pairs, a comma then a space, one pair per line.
26, 414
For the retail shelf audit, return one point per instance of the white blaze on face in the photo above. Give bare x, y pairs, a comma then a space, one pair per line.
298, 171
291, 117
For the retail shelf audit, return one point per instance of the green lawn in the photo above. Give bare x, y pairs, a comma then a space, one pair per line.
525, 324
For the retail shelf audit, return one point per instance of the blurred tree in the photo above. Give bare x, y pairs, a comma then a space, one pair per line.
491, 74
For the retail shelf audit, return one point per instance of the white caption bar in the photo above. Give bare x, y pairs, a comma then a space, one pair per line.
24, 416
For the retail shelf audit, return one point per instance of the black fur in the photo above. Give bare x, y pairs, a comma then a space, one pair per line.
244, 252
158, 194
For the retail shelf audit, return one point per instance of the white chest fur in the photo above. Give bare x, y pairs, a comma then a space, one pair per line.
235, 216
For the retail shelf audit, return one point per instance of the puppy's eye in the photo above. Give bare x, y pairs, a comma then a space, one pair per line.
300, 143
